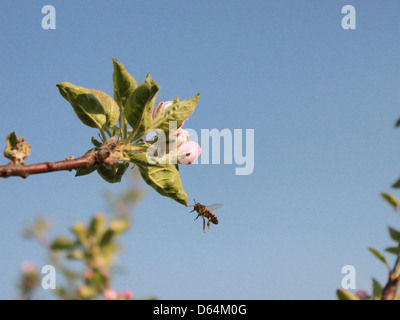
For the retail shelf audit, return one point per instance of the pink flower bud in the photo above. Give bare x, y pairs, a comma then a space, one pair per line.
88, 274
161, 107
28, 267
110, 294
181, 136
362, 294
128, 295
188, 152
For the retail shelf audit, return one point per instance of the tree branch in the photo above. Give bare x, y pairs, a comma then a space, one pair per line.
12, 169
91, 158
390, 290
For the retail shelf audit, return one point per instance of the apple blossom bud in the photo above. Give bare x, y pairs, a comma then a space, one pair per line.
188, 152
161, 107
181, 136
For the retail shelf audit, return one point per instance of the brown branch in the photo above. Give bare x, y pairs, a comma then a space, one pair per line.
93, 157
390, 290
12, 169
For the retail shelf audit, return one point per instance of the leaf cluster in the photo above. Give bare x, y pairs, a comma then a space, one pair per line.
128, 117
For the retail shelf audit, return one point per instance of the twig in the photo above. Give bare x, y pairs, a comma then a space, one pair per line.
90, 159
390, 290
12, 169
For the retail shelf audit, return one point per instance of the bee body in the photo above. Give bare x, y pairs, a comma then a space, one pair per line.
206, 212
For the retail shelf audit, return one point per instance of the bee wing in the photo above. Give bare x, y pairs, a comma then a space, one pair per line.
215, 206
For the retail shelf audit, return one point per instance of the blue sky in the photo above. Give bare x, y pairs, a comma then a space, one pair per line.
322, 102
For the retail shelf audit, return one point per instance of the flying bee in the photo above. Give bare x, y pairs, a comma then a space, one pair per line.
206, 212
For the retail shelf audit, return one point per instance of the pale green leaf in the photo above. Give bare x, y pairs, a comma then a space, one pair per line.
165, 180
380, 256
119, 225
62, 243
138, 109
111, 109
178, 112
346, 295
124, 83
391, 199
96, 225
85, 104
376, 288
79, 230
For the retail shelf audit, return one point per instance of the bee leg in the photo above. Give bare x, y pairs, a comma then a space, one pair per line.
204, 225
197, 217
208, 224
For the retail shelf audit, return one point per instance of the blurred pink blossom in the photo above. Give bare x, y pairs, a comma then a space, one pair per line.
128, 295
28, 267
88, 274
362, 294
110, 294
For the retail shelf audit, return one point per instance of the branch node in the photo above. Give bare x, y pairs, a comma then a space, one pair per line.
50, 166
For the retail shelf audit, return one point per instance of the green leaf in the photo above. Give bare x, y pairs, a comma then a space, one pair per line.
93, 107
346, 295
391, 199
114, 173
376, 289
138, 109
97, 224
111, 109
62, 243
85, 292
124, 83
16, 149
96, 143
107, 237
84, 171
396, 185
397, 123
76, 254
178, 111
85, 104
119, 225
396, 269
140, 158
149, 80
394, 234
97, 281
79, 230
393, 250
380, 256
165, 180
